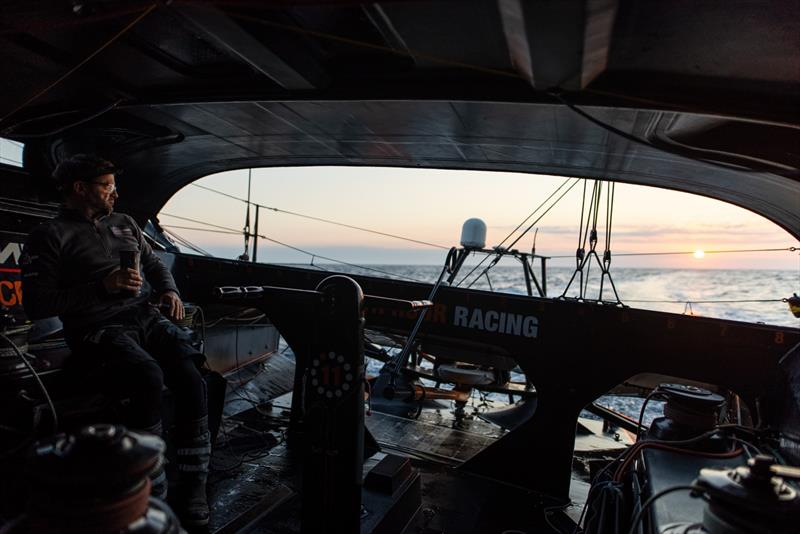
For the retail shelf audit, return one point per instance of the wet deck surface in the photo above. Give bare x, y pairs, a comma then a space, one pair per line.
255, 476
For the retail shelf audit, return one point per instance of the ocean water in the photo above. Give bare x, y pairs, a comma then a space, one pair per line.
669, 290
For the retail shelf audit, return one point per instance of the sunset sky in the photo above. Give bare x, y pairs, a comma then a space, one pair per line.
431, 205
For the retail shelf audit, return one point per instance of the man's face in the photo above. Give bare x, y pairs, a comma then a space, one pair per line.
98, 194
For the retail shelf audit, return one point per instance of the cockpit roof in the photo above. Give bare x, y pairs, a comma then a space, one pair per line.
703, 97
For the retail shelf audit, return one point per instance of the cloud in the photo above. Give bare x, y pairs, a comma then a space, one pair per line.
720, 232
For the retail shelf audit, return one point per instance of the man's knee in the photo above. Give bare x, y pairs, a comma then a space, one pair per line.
147, 376
143, 387
188, 380
188, 388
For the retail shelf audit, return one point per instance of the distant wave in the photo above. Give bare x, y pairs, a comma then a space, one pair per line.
684, 286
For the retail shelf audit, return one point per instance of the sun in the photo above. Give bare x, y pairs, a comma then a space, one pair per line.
699, 254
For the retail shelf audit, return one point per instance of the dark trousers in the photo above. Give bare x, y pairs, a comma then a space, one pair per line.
132, 356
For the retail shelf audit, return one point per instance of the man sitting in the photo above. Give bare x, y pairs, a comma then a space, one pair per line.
123, 344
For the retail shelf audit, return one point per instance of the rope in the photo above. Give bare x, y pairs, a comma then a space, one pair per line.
88, 58
730, 251
220, 192
320, 219
598, 195
32, 21
197, 229
246, 230
611, 188
372, 46
583, 259
313, 255
31, 203
187, 243
340, 261
540, 206
708, 301
553, 205
234, 230
580, 250
591, 235
638, 517
587, 230
41, 385
90, 117
531, 214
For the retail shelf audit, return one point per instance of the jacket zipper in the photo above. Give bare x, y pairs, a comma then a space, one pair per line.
100, 237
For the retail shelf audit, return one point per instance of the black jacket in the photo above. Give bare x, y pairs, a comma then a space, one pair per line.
65, 260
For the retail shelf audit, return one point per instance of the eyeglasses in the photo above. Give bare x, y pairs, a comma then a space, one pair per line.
110, 188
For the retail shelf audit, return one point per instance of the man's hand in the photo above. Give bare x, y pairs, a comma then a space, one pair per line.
123, 280
171, 303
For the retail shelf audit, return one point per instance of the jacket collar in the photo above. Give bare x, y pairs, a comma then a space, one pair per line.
70, 213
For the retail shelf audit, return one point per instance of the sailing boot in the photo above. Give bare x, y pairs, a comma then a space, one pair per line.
158, 476
193, 457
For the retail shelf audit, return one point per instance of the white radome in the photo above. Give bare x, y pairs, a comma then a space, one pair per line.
473, 234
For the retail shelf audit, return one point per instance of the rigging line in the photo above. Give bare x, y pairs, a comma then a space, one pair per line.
731, 251
609, 207
583, 206
336, 223
339, 261
182, 240
277, 210
179, 241
25, 210
20, 201
363, 44
233, 230
62, 129
201, 222
589, 219
584, 236
249, 183
185, 242
692, 301
611, 212
585, 287
531, 214
88, 58
553, 205
198, 229
539, 218
246, 230
28, 213
32, 21
598, 200
217, 191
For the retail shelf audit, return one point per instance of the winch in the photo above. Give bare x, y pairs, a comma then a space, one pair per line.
96, 480
755, 499
688, 412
